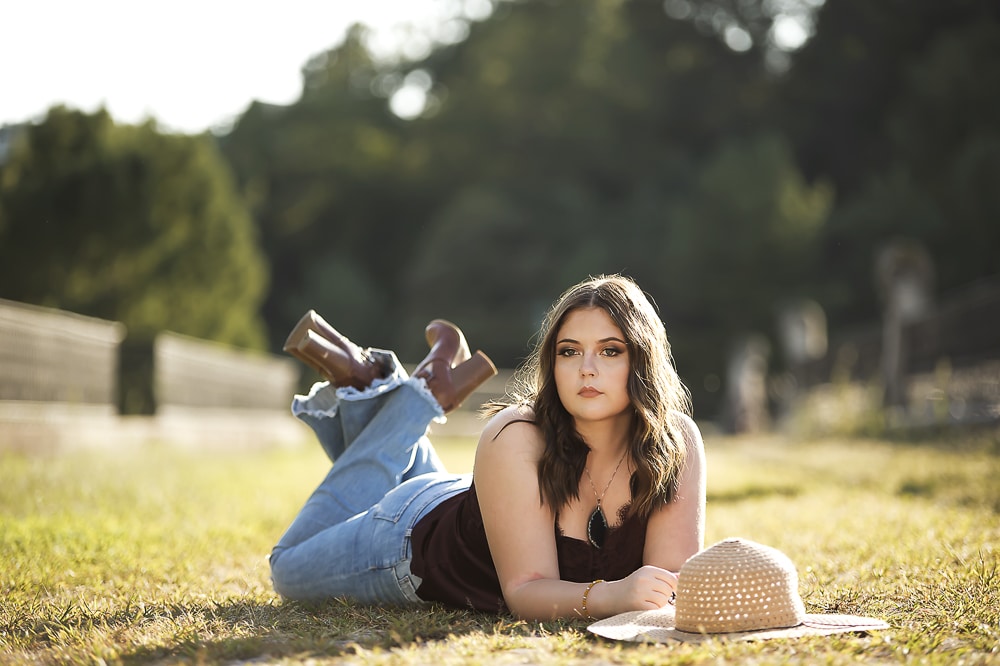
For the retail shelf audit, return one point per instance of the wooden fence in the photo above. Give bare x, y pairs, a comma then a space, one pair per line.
949, 358
52, 356
69, 380
172, 370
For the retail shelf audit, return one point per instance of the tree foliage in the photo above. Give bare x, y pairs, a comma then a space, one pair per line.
330, 183
679, 142
129, 224
898, 106
568, 139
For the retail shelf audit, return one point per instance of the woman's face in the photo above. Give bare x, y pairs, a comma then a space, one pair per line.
592, 366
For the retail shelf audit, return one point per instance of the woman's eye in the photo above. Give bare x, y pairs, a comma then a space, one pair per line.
611, 351
566, 351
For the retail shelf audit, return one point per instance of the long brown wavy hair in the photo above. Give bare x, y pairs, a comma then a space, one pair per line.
656, 443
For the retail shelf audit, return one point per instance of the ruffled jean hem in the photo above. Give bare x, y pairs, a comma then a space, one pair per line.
324, 398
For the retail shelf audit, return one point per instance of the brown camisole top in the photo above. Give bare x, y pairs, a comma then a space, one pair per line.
452, 557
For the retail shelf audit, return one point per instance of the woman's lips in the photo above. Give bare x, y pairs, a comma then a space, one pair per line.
588, 392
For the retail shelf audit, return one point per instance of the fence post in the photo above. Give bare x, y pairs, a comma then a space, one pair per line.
905, 273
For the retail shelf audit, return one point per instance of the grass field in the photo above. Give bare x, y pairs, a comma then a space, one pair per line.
158, 555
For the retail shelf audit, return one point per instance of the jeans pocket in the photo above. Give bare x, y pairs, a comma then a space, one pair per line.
408, 584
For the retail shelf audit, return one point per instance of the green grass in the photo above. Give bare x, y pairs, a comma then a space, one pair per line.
158, 555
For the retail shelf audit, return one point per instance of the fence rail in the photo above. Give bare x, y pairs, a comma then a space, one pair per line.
54, 356
963, 329
70, 380
197, 373
949, 358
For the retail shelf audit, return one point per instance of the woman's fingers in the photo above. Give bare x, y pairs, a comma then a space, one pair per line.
657, 586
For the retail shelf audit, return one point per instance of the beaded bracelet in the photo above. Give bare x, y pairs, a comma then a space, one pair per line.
586, 593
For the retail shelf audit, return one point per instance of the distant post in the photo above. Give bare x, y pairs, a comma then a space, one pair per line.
904, 277
746, 385
802, 332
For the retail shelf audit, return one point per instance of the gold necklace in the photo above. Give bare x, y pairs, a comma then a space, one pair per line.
597, 524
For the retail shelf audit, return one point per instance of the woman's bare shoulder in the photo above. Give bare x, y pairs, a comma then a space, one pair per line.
689, 429
683, 420
512, 427
509, 416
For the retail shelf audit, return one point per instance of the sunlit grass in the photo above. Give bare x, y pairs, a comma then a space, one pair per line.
157, 554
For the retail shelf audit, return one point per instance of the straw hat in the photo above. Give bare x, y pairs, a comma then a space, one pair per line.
736, 589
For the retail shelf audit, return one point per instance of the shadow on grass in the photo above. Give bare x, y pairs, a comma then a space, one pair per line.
958, 438
959, 490
238, 630
752, 492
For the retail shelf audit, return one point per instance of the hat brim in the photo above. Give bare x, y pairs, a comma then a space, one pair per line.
658, 627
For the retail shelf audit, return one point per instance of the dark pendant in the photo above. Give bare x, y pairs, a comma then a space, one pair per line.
597, 528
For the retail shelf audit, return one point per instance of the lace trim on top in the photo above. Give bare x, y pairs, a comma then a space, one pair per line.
622, 517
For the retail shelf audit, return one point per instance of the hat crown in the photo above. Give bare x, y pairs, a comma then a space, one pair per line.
738, 585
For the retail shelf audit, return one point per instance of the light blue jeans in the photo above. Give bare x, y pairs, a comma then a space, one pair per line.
352, 537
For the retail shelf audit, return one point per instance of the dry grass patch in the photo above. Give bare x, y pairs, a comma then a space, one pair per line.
158, 556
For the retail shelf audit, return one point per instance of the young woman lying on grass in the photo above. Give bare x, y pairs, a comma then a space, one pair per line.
588, 491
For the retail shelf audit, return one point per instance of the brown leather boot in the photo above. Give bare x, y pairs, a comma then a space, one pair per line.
447, 342
451, 373
466, 378
317, 344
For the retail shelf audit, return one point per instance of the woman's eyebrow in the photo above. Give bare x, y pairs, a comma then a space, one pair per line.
601, 341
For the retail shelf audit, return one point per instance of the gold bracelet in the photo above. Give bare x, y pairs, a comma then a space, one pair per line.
586, 593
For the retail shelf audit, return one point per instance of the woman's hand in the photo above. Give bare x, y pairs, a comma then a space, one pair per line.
646, 588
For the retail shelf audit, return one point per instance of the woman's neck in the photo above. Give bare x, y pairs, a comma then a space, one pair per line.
607, 439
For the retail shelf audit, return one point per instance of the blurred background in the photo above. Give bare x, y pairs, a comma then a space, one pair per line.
808, 190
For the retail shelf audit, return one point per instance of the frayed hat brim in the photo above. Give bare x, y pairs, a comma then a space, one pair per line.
658, 627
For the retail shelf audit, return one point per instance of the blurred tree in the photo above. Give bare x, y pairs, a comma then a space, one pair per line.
836, 98
945, 127
541, 100
494, 260
329, 180
584, 118
744, 241
684, 142
556, 141
922, 160
570, 138
129, 224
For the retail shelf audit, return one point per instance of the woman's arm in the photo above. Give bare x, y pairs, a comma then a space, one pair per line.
519, 528
521, 534
676, 531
